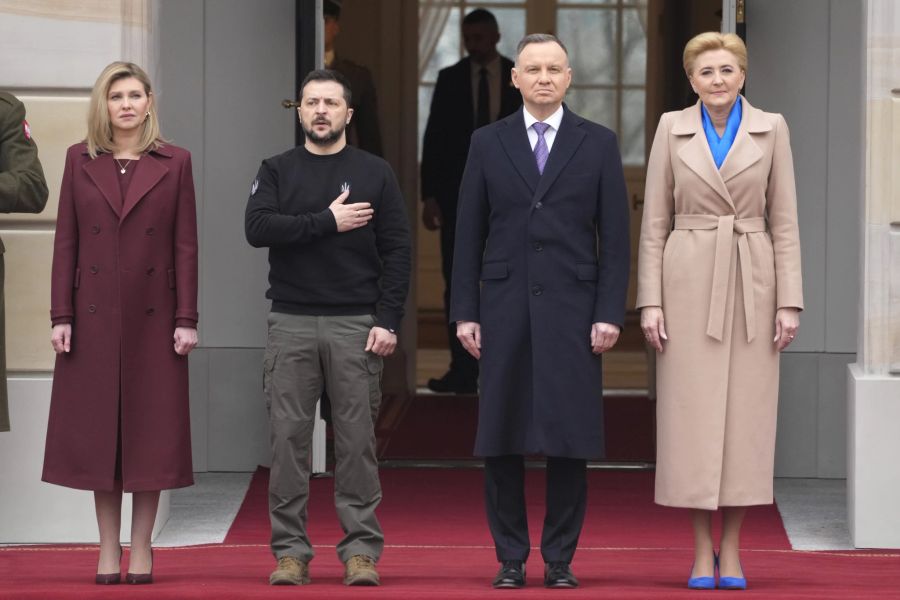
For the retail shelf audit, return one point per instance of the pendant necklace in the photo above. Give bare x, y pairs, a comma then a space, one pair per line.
123, 168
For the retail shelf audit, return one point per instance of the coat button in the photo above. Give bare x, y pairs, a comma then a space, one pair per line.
150, 231
149, 311
537, 247
539, 205
151, 271
95, 229
92, 308
95, 269
537, 290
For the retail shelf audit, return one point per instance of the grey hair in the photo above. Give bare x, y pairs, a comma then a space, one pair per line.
538, 38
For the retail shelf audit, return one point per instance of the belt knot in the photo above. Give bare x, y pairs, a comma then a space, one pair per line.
726, 227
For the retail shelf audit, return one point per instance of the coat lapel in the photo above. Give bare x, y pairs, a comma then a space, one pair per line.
514, 140
744, 152
102, 172
695, 152
148, 173
567, 140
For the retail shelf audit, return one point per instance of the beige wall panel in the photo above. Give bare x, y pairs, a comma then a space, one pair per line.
56, 123
56, 52
83, 10
28, 257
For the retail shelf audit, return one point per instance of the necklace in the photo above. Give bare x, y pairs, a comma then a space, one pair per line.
123, 168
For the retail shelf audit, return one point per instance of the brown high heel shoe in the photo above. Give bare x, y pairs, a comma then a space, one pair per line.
110, 578
141, 578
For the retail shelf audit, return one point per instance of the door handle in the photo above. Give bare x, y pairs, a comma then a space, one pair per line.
636, 201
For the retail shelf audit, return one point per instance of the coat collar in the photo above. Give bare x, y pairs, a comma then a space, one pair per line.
743, 154
568, 138
163, 150
149, 170
514, 138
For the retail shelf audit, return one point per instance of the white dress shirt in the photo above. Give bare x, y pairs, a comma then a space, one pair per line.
553, 121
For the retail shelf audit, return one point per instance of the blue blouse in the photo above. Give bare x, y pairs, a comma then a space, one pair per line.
719, 146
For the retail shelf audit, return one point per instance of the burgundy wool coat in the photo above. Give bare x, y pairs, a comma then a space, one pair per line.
124, 276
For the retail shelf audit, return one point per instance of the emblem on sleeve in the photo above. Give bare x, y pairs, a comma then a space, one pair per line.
27, 129
254, 186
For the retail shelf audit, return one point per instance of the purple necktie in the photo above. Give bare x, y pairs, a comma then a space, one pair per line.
541, 152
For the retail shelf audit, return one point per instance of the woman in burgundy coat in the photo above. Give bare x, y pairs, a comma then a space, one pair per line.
124, 314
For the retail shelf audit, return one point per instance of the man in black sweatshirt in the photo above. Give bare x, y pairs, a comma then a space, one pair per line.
337, 231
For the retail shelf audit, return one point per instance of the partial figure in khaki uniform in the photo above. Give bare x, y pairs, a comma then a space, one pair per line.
364, 132
719, 278
22, 189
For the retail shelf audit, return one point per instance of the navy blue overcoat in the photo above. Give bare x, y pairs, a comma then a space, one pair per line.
538, 259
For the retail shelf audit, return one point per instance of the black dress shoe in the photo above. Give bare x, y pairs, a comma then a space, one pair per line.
510, 575
559, 575
452, 383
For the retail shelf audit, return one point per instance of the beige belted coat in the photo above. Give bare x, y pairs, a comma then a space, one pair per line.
720, 253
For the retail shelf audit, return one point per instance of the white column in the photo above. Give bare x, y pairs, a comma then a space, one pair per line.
873, 474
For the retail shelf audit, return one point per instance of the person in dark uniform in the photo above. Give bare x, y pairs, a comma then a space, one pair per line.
23, 190
364, 132
470, 94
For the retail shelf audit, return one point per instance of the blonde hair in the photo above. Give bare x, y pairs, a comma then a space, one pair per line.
713, 40
99, 135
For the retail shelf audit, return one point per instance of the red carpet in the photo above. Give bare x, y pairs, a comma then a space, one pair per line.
438, 547
445, 507
411, 432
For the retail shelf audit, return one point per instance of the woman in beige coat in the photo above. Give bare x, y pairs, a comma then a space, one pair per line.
719, 290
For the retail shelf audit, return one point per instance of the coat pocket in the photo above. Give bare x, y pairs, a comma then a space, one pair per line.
271, 355
494, 270
77, 281
586, 271
374, 364
171, 274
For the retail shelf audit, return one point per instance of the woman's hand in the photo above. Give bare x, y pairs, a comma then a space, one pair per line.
653, 324
61, 338
787, 322
185, 340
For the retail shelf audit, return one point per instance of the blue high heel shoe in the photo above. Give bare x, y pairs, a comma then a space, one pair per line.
731, 583
704, 583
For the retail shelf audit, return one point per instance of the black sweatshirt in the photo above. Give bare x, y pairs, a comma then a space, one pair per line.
314, 269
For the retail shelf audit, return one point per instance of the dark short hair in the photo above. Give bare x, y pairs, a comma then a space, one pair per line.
481, 15
538, 38
330, 8
328, 75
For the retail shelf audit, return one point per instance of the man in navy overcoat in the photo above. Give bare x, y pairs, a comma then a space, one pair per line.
540, 275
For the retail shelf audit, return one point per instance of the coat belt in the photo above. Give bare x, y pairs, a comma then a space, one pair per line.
726, 227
